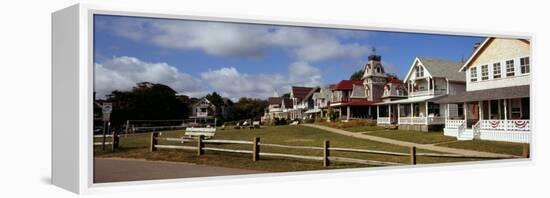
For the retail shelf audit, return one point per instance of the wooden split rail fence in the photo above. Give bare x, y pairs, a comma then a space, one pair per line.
327, 157
114, 140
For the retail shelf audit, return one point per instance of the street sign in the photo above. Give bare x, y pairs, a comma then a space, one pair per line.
106, 109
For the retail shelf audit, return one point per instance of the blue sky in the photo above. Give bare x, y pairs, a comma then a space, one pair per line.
249, 60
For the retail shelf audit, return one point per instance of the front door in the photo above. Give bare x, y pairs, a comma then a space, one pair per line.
472, 116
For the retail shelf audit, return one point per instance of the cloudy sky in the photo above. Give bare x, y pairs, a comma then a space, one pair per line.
248, 60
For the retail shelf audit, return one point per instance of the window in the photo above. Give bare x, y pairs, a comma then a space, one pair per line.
510, 68
496, 70
419, 71
524, 65
516, 108
473, 74
484, 72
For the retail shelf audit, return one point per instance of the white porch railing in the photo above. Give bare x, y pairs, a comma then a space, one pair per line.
506, 125
428, 92
453, 124
202, 114
405, 120
383, 120
436, 120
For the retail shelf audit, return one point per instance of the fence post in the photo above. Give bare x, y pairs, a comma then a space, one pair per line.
200, 144
326, 153
115, 140
256, 149
525, 151
413, 155
154, 141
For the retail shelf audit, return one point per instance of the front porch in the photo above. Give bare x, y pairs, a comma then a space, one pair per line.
419, 113
498, 120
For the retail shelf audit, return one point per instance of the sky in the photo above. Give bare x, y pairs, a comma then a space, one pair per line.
249, 60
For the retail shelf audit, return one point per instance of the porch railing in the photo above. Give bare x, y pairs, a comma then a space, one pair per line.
383, 120
453, 124
428, 92
421, 120
436, 120
508, 125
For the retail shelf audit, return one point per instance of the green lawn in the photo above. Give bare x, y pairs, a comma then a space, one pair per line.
488, 146
136, 146
414, 136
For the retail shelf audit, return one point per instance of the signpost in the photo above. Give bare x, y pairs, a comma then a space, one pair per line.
106, 109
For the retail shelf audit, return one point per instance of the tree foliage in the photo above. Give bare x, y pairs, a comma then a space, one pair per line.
249, 108
146, 101
356, 75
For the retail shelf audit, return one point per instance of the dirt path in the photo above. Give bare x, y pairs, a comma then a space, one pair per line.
409, 144
118, 169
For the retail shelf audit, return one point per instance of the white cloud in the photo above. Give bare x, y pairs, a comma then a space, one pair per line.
231, 83
122, 73
231, 39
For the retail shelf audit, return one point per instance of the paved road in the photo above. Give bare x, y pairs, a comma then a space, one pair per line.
117, 169
409, 144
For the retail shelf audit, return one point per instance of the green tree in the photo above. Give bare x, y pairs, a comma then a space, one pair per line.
146, 101
356, 75
247, 108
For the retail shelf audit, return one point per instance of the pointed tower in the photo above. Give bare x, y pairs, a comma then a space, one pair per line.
374, 77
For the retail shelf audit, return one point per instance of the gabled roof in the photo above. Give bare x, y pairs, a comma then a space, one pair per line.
203, 99
480, 49
310, 94
439, 68
347, 84
300, 92
274, 100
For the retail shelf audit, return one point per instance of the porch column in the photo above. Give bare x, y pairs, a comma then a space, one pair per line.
348, 113
389, 112
480, 107
340, 113
429, 85
412, 112
426, 112
447, 114
322, 113
398, 112
465, 109
505, 116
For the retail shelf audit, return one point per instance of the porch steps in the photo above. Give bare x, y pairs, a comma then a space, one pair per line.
468, 134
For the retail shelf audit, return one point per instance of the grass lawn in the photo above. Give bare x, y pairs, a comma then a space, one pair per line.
488, 146
136, 146
353, 125
414, 136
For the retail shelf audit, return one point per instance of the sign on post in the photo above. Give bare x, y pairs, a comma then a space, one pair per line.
106, 110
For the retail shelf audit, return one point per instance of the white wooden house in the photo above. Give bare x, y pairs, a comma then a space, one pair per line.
496, 105
427, 80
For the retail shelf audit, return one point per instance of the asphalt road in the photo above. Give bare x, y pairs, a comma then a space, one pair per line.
117, 170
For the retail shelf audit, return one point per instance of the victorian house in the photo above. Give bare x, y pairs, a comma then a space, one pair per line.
355, 99
427, 80
496, 104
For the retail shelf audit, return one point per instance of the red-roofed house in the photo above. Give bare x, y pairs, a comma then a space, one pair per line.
356, 98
